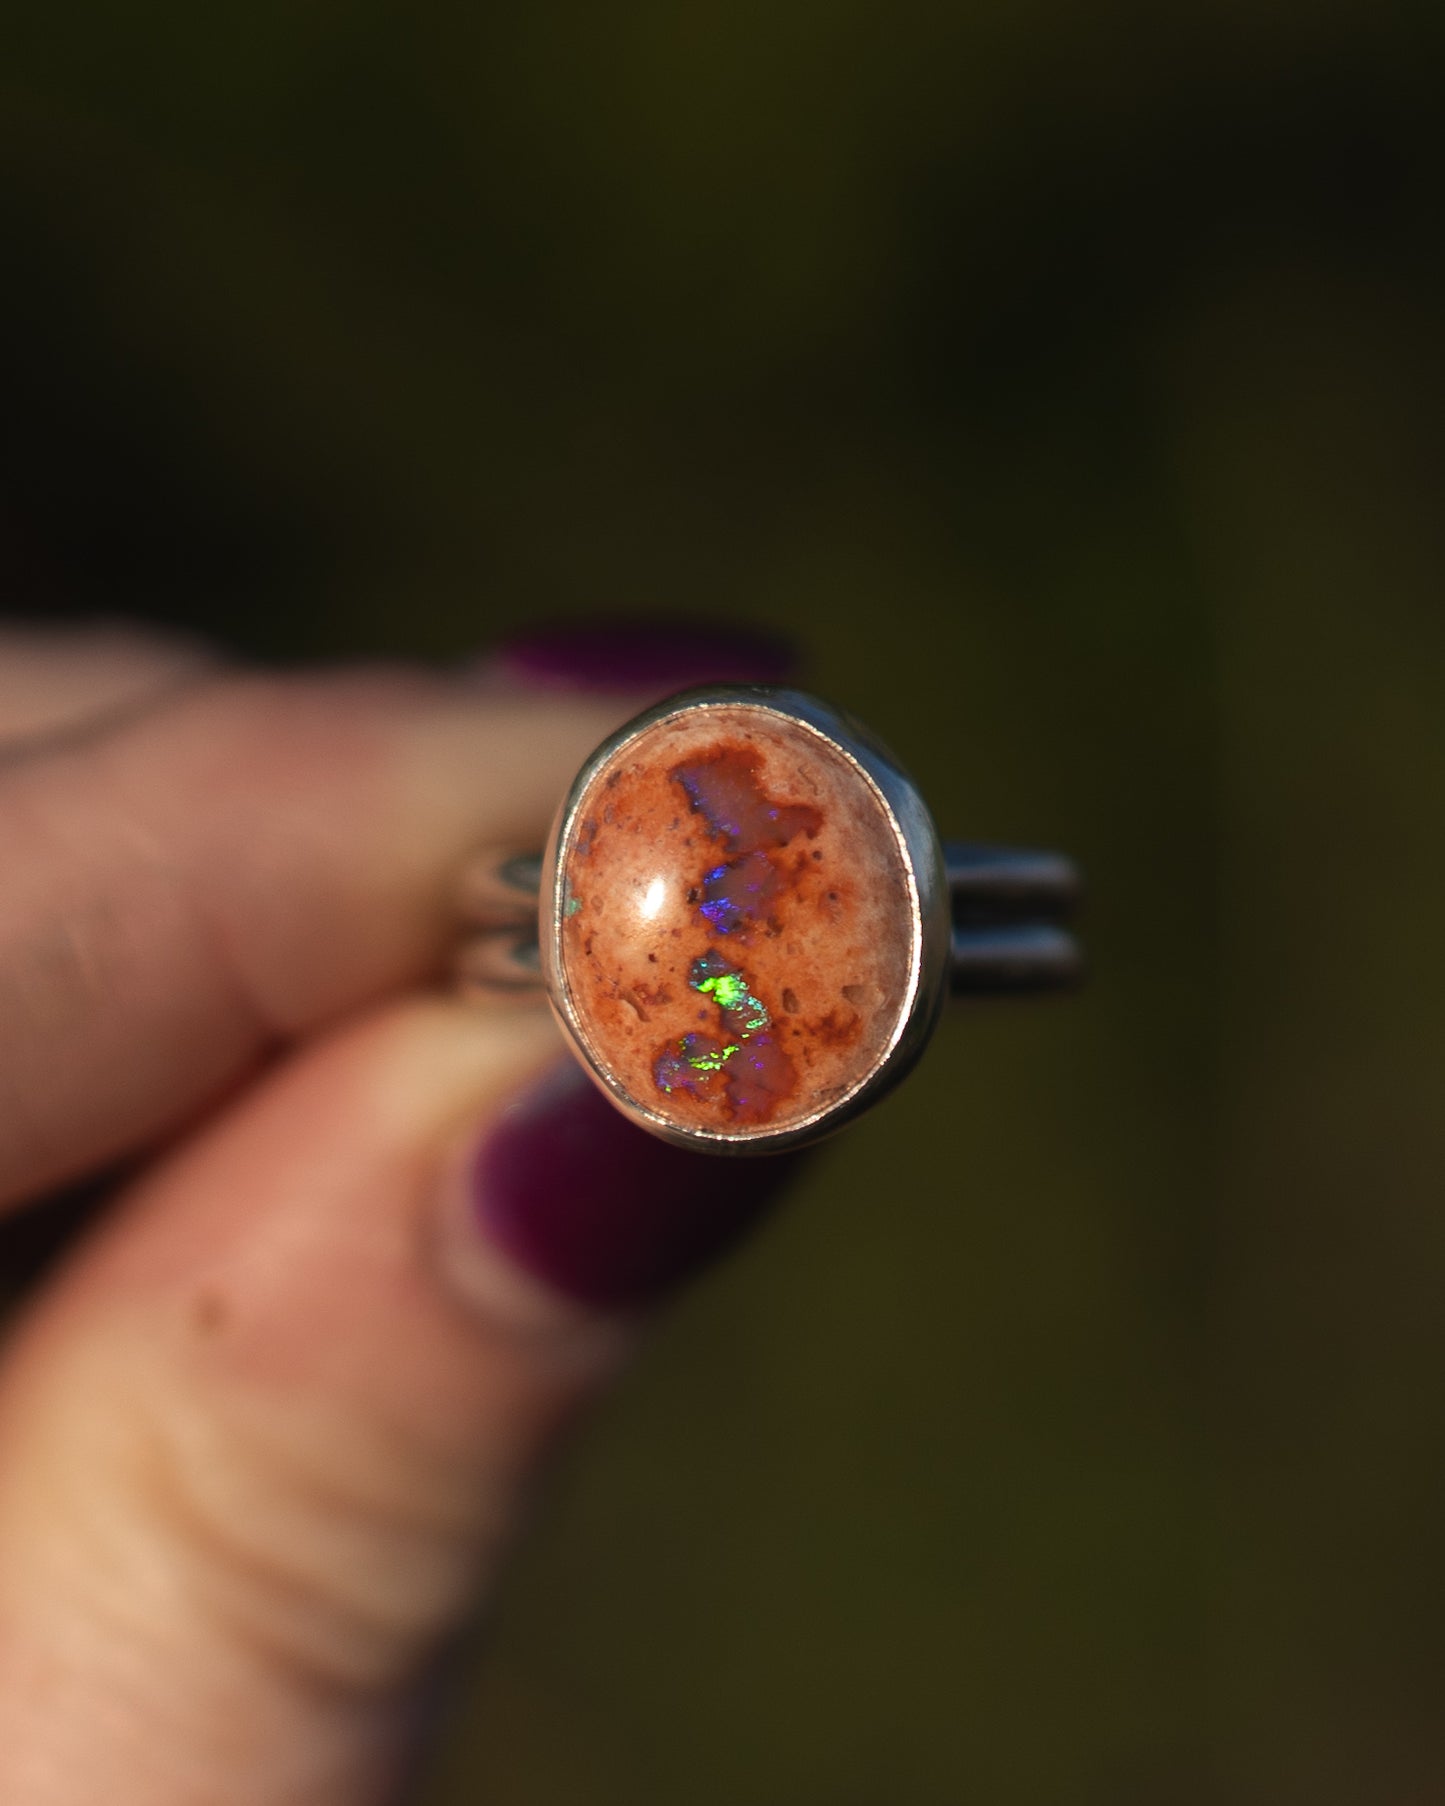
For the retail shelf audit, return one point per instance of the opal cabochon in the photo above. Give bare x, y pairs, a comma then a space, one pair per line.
733, 929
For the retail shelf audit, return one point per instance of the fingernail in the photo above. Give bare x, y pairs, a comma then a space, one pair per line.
601, 1210
642, 655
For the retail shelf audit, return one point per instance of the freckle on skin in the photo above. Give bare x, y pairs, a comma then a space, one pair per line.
209, 1313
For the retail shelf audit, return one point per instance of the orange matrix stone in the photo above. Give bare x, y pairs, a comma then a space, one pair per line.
737, 923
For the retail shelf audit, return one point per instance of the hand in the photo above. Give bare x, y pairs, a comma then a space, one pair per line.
265, 1429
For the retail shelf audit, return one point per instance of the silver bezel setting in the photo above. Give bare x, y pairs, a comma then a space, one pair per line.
927, 904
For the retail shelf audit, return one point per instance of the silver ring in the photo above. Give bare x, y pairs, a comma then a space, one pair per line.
746, 924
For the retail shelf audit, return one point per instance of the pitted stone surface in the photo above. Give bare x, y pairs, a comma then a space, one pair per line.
736, 939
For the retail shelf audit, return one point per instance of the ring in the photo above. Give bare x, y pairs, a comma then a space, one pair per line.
747, 926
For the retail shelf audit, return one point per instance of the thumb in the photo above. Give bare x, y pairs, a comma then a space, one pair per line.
262, 1444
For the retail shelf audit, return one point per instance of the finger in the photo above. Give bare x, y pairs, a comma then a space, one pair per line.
264, 1441
189, 889
59, 680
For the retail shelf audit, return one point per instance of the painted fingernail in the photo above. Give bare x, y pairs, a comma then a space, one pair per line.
642, 655
601, 1210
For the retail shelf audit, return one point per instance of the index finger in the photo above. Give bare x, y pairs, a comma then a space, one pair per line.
254, 856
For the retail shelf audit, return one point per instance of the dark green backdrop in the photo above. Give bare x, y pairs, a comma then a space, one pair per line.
1066, 379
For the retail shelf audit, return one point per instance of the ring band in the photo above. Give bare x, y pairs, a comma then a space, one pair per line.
746, 924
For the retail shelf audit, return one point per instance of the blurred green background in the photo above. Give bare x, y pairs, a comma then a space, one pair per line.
1067, 379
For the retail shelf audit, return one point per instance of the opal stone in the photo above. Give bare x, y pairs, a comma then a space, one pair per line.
737, 930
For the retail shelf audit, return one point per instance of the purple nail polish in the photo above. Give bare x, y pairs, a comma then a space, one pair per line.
597, 1207
642, 655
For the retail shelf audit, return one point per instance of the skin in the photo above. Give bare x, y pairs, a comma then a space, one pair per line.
266, 1430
